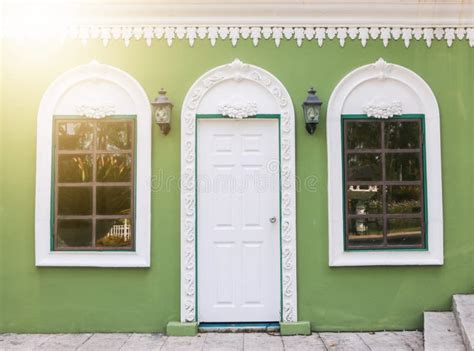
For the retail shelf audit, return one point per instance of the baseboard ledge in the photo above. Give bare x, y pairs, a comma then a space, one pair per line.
182, 329
295, 328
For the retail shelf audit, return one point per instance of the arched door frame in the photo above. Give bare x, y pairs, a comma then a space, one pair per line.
237, 71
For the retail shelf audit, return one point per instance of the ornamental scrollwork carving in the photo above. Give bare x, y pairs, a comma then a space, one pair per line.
237, 107
95, 111
383, 110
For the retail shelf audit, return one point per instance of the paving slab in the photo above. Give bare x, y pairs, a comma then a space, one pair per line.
343, 342
144, 342
224, 342
303, 343
384, 341
184, 343
262, 342
105, 341
463, 308
24, 342
64, 342
442, 332
414, 339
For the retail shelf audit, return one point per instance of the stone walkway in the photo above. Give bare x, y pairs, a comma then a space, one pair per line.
381, 341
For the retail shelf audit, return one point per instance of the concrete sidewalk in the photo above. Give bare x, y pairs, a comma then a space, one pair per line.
383, 341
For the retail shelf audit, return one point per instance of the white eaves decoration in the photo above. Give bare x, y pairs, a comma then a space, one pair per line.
238, 109
307, 34
95, 111
383, 110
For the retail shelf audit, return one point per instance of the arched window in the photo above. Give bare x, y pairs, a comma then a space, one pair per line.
93, 170
385, 201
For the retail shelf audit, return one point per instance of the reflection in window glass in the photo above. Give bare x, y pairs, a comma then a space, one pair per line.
404, 231
363, 135
113, 136
74, 200
402, 135
90, 154
364, 199
404, 199
365, 231
403, 166
114, 168
113, 232
383, 183
364, 167
74, 168
75, 135
113, 200
74, 233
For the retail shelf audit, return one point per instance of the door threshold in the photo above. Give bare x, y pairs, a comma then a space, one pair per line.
241, 327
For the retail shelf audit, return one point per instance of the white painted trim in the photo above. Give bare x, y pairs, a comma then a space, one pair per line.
444, 13
308, 21
202, 87
93, 72
309, 34
415, 86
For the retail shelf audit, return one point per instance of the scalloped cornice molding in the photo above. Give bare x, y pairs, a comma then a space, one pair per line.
277, 34
312, 21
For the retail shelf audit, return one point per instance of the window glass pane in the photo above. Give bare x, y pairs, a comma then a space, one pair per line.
75, 135
404, 199
74, 200
113, 233
364, 199
74, 233
404, 231
402, 135
114, 135
363, 135
365, 231
113, 200
365, 167
74, 168
403, 167
114, 168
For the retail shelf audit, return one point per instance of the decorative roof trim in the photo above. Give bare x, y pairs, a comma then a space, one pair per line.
234, 20
257, 33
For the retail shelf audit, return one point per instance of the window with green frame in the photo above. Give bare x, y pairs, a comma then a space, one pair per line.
384, 183
93, 183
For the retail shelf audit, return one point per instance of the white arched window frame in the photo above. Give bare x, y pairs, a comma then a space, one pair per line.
382, 88
93, 90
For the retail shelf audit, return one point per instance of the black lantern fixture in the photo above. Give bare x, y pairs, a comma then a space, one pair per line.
163, 106
311, 110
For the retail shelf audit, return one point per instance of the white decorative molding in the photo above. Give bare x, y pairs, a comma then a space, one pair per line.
308, 35
195, 102
236, 108
95, 111
63, 97
405, 86
307, 22
382, 68
383, 110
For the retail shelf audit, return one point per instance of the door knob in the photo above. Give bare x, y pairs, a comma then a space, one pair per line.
273, 220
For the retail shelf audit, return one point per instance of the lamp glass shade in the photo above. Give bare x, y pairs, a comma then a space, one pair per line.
311, 113
163, 113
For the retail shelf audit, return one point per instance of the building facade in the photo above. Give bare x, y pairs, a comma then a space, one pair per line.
237, 210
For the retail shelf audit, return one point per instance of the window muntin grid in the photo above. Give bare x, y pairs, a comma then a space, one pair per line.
104, 155
373, 149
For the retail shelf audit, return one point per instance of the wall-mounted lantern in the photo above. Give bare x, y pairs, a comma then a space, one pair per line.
163, 106
311, 110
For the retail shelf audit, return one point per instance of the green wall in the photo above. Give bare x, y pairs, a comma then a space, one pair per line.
144, 300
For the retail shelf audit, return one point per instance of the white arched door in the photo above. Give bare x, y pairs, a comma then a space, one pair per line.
238, 213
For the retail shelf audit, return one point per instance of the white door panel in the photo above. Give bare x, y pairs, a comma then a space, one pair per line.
238, 245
